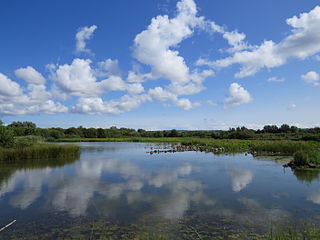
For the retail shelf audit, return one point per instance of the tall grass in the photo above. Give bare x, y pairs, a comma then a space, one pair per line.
38, 153
310, 233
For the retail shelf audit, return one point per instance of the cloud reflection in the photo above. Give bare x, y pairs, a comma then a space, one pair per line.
240, 178
314, 197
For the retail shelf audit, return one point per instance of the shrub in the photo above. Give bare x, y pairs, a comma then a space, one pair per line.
304, 157
27, 141
6, 137
301, 158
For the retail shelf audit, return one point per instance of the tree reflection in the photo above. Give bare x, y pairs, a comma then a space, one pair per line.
307, 175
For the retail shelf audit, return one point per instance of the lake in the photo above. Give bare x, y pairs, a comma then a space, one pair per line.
118, 191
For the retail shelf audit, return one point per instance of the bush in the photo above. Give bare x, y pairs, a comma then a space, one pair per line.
304, 157
301, 158
6, 137
27, 141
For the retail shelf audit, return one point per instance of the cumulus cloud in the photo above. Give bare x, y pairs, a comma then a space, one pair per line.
237, 95
96, 105
9, 87
164, 95
152, 46
89, 81
302, 42
109, 67
155, 47
30, 75
311, 77
14, 101
79, 79
83, 35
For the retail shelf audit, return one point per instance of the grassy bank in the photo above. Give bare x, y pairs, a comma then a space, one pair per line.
39, 152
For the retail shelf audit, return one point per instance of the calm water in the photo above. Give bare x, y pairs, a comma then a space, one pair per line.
117, 190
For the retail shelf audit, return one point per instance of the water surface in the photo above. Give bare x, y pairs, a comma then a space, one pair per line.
117, 190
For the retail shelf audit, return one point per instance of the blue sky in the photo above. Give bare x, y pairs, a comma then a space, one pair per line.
188, 64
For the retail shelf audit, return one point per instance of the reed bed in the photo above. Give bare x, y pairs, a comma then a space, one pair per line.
38, 153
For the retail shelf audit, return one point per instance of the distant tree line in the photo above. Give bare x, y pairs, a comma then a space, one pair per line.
267, 132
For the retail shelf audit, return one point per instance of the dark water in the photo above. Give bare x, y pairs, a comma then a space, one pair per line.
117, 191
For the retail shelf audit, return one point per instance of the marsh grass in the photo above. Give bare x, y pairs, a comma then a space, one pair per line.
311, 233
36, 153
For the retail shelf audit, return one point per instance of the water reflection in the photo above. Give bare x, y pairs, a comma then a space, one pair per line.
125, 184
239, 178
72, 191
314, 197
307, 175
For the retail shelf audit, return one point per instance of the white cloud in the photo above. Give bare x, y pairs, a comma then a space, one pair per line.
311, 77
236, 41
13, 100
30, 75
185, 104
162, 95
275, 79
302, 42
79, 79
109, 67
138, 77
115, 83
9, 87
96, 105
165, 95
84, 34
154, 47
237, 95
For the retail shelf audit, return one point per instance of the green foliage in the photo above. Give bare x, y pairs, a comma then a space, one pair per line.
303, 157
6, 137
26, 141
